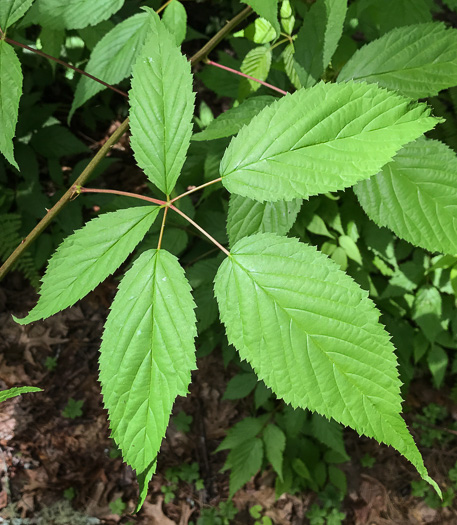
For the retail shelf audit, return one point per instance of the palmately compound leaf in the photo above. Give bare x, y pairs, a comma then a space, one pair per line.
10, 93
147, 356
89, 256
321, 139
318, 39
232, 120
415, 196
11, 11
17, 391
113, 57
313, 336
418, 60
75, 14
161, 107
267, 9
246, 217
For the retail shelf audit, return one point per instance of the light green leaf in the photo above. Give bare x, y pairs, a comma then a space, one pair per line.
275, 444
415, 196
260, 31
427, 311
246, 217
313, 336
175, 20
17, 391
87, 257
287, 17
75, 14
113, 57
257, 64
418, 60
351, 248
161, 107
11, 11
232, 120
318, 39
290, 65
147, 356
10, 93
321, 139
267, 9
244, 461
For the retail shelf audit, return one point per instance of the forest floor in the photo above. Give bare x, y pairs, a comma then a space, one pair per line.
64, 470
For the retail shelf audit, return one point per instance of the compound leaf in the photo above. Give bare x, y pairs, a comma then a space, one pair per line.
318, 39
267, 9
146, 357
417, 60
112, 58
321, 139
75, 14
246, 217
10, 93
232, 120
11, 11
88, 256
161, 107
415, 196
313, 336
17, 391
175, 20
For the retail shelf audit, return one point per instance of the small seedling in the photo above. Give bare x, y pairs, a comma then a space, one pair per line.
73, 409
182, 422
117, 506
51, 363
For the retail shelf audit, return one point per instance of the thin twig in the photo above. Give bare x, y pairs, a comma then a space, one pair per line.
193, 190
200, 229
225, 68
61, 62
162, 7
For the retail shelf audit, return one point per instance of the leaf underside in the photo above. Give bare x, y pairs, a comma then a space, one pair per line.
161, 107
321, 139
88, 257
415, 196
418, 60
147, 356
313, 336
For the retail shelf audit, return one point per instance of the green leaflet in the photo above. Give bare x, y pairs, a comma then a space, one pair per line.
175, 20
246, 217
232, 120
147, 356
161, 107
318, 39
313, 336
415, 196
87, 257
17, 391
257, 64
418, 60
321, 139
52, 41
11, 11
452, 4
267, 9
75, 14
113, 57
10, 93
290, 65
275, 444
